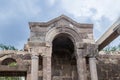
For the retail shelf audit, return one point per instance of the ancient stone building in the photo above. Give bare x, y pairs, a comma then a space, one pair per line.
62, 49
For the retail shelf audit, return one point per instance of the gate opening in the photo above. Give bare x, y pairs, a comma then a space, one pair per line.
63, 59
9, 70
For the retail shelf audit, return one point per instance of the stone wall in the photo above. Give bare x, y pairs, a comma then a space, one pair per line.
108, 66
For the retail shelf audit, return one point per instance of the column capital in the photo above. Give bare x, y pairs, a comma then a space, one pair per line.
92, 58
34, 56
92, 50
87, 49
45, 56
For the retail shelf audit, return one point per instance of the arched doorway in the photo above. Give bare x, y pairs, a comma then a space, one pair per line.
63, 58
9, 61
10, 70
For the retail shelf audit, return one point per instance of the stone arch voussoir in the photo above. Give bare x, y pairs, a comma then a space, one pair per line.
73, 34
8, 60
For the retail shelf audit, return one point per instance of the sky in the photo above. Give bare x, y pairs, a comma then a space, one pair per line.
15, 15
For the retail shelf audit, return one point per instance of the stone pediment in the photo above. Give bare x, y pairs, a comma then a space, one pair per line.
61, 20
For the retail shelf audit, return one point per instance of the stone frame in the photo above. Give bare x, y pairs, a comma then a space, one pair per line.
75, 37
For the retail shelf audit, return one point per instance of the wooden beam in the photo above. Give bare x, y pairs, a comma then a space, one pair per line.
111, 34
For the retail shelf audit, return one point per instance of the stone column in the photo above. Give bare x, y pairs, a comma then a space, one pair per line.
34, 67
93, 68
81, 69
46, 68
81, 65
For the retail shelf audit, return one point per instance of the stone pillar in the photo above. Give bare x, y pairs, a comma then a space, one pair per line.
81, 64
46, 68
34, 67
93, 68
81, 69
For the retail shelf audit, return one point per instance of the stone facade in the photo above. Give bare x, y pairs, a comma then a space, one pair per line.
60, 49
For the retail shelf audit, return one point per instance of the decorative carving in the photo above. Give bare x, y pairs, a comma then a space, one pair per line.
91, 50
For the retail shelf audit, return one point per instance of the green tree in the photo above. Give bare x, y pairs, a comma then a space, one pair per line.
112, 48
7, 47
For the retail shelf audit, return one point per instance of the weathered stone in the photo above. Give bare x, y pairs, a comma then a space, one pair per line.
46, 68
108, 69
61, 49
34, 67
93, 69
81, 69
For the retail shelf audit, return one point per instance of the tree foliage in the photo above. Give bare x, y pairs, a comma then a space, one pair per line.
7, 47
112, 48
12, 64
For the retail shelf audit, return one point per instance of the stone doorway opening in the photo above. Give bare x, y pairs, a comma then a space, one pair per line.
13, 75
63, 58
9, 70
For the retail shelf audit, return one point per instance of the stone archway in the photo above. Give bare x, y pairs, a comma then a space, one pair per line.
66, 30
75, 39
63, 58
8, 61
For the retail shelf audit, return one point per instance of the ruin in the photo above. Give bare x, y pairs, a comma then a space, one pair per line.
63, 49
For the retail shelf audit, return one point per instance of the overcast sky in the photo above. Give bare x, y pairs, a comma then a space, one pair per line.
15, 15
